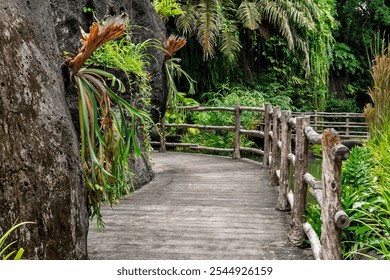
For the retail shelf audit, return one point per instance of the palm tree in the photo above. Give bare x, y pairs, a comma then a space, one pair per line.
214, 25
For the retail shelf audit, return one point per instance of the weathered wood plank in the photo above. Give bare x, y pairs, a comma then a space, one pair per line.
198, 207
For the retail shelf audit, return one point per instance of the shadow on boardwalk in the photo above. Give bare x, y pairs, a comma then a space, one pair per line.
198, 207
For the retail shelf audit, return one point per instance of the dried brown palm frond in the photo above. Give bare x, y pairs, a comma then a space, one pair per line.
172, 44
97, 36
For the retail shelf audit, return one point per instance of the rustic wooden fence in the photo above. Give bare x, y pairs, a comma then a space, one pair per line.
281, 130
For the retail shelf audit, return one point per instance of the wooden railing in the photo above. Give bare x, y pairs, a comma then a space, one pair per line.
348, 125
326, 192
237, 129
280, 130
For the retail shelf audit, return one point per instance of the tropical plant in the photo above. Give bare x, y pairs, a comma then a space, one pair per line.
106, 139
3, 247
378, 116
167, 8
174, 71
214, 23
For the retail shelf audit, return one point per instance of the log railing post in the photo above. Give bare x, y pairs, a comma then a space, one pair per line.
332, 216
315, 122
267, 140
163, 139
237, 125
347, 125
275, 163
284, 181
297, 235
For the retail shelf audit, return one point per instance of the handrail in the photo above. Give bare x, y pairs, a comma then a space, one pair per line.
278, 128
327, 193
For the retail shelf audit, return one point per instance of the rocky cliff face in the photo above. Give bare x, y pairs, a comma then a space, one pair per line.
41, 178
40, 175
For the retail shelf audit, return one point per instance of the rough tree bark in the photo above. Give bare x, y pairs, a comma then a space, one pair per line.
332, 216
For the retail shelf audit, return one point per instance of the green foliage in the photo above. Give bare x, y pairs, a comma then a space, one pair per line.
88, 10
108, 135
173, 71
345, 61
313, 217
211, 20
167, 8
4, 247
366, 202
316, 149
334, 104
106, 139
133, 59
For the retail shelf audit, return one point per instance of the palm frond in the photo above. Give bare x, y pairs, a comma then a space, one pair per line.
277, 16
249, 15
230, 42
208, 27
298, 13
186, 22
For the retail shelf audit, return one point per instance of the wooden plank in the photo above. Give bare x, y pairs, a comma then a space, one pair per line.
198, 207
163, 139
275, 148
204, 109
253, 109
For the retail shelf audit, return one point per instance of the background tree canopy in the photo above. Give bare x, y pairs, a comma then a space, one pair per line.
321, 49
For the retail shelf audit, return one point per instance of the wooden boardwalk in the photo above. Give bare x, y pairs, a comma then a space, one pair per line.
198, 207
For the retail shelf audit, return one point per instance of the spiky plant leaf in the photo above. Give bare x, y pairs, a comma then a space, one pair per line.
249, 15
230, 42
172, 44
208, 27
97, 36
186, 22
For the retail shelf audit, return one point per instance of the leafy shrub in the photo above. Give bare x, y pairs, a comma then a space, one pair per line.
334, 104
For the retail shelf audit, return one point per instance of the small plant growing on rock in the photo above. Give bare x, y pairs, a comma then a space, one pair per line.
4, 248
106, 138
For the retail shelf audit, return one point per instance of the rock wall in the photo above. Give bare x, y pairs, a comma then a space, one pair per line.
40, 172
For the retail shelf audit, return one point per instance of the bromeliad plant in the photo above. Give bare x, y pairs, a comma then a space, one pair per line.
106, 139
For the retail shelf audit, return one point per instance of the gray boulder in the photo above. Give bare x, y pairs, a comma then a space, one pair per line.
41, 179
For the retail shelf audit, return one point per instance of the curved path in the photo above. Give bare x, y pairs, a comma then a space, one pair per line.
198, 207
